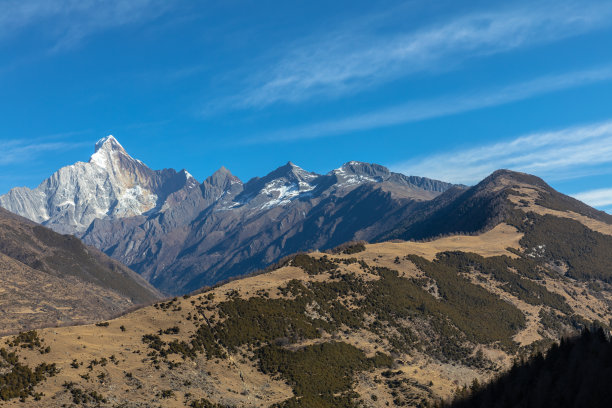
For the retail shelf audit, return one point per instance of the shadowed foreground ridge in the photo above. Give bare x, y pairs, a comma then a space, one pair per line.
576, 373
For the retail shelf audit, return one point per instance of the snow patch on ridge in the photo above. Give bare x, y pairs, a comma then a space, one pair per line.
134, 201
347, 179
99, 160
282, 194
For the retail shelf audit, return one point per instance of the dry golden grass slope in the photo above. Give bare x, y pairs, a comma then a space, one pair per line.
113, 364
33, 299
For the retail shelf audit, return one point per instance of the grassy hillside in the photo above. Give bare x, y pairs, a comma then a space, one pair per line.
389, 324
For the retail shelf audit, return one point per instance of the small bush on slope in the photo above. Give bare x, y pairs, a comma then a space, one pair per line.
18, 380
321, 375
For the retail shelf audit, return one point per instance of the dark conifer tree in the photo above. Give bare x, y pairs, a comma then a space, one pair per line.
575, 373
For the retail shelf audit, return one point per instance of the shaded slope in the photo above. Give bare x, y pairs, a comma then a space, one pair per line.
334, 220
227, 228
464, 210
575, 373
558, 231
69, 278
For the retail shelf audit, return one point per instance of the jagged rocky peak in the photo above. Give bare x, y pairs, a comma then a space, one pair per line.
106, 151
111, 156
222, 178
188, 178
108, 143
170, 182
355, 172
363, 169
291, 173
278, 187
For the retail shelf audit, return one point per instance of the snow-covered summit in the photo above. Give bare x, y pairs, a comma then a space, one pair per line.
109, 143
300, 173
109, 153
354, 173
278, 187
111, 185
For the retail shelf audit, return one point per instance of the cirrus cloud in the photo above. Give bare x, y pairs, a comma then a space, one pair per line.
349, 60
68, 22
554, 155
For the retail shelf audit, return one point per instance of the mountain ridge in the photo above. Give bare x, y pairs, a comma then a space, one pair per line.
513, 266
478, 208
196, 234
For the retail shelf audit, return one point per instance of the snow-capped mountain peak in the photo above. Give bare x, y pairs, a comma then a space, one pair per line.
108, 143
111, 185
300, 173
279, 187
290, 173
187, 180
110, 154
354, 172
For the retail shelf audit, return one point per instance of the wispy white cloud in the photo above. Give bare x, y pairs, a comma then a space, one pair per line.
68, 22
427, 109
596, 198
347, 61
25, 150
546, 154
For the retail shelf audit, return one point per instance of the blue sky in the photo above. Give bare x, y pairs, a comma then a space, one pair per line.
446, 89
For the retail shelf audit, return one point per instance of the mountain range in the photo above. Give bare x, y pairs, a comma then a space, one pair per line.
500, 271
181, 235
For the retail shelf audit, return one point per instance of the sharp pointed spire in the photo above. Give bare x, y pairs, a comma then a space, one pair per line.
108, 143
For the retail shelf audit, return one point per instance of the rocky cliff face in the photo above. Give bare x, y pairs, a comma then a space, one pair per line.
180, 234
